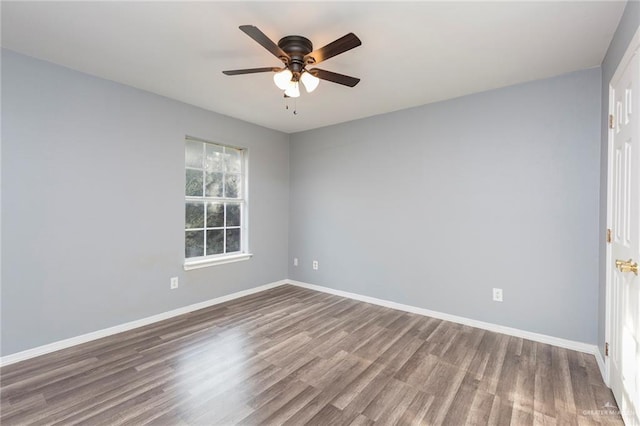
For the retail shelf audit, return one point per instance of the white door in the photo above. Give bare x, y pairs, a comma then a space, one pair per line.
624, 284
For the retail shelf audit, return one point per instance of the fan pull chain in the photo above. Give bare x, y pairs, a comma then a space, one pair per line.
295, 104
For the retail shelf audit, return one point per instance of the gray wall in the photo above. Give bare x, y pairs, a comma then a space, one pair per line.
629, 24
92, 203
433, 206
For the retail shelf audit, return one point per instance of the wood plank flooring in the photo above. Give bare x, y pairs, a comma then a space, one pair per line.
294, 356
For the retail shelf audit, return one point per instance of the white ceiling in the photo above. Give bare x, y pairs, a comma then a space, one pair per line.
412, 53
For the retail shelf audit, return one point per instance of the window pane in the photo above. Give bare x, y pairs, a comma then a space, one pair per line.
215, 242
193, 154
215, 215
213, 171
233, 240
233, 160
232, 186
194, 215
214, 184
213, 161
194, 244
194, 183
233, 214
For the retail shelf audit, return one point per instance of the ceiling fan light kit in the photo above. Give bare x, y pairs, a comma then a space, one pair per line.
296, 53
282, 79
309, 81
293, 91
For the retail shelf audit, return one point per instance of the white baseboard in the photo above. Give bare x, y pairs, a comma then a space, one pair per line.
63, 344
94, 335
536, 337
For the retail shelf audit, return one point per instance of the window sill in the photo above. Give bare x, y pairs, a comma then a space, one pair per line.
204, 263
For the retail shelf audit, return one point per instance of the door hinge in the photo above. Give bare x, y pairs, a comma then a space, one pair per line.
609, 235
611, 121
606, 349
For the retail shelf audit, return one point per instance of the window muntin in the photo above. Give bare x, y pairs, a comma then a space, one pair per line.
215, 201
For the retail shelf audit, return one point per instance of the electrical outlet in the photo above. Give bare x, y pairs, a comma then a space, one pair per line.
315, 265
174, 283
497, 295
295, 261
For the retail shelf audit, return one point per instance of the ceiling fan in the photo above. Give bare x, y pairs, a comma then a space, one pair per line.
296, 53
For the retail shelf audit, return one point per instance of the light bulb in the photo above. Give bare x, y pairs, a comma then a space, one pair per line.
310, 81
282, 79
293, 91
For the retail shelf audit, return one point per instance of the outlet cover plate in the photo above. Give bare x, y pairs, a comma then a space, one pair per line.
497, 295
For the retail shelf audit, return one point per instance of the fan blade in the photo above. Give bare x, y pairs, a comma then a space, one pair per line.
334, 48
252, 70
334, 77
264, 41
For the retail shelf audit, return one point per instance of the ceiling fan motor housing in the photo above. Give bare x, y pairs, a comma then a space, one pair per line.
297, 47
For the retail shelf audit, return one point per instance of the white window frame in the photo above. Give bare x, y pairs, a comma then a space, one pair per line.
219, 259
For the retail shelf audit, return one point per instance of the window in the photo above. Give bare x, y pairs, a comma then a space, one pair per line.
215, 204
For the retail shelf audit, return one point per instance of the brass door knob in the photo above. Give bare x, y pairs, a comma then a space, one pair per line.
627, 266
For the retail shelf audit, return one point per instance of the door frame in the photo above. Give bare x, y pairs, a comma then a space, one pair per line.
632, 49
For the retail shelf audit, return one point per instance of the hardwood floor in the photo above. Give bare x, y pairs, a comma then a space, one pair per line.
295, 356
